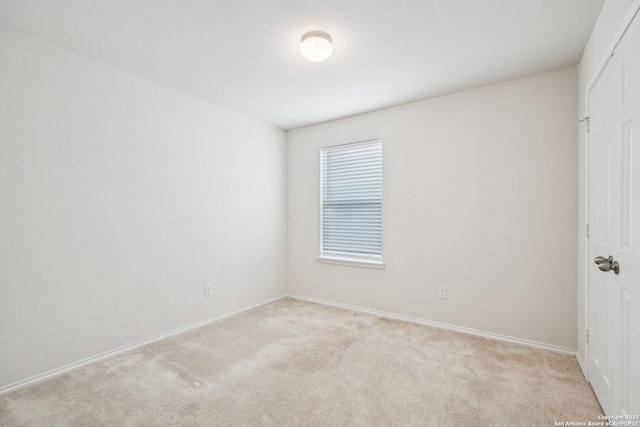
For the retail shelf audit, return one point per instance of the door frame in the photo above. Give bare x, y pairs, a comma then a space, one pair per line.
633, 12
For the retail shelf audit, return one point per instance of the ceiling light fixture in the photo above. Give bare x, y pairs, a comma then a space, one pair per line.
316, 46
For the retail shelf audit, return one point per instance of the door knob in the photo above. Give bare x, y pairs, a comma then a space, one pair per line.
602, 260
607, 264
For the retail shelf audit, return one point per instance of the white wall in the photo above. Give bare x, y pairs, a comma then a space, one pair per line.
605, 32
119, 200
479, 196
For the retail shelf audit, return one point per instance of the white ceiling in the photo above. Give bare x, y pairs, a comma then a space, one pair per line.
244, 54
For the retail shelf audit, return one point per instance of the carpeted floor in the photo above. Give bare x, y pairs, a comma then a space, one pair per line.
295, 363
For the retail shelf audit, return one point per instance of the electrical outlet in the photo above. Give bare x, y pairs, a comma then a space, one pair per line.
442, 292
207, 290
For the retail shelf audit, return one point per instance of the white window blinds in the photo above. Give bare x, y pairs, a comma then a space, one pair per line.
351, 204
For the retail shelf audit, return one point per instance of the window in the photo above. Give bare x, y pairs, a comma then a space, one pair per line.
351, 204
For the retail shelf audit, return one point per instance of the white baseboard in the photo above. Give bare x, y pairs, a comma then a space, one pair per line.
67, 368
93, 359
440, 325
583, 366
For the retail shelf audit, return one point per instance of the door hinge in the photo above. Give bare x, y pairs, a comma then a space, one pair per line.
587, 336
588, 120
586, 231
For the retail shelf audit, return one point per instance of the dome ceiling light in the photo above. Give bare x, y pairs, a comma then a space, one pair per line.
316, 46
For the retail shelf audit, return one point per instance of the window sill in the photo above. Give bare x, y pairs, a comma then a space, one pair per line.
351, 262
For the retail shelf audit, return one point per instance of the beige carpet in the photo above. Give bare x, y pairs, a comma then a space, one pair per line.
295, 363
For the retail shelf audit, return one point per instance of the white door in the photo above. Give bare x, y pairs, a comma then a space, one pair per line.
614, 219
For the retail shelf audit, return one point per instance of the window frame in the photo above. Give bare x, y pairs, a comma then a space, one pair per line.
373, 261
